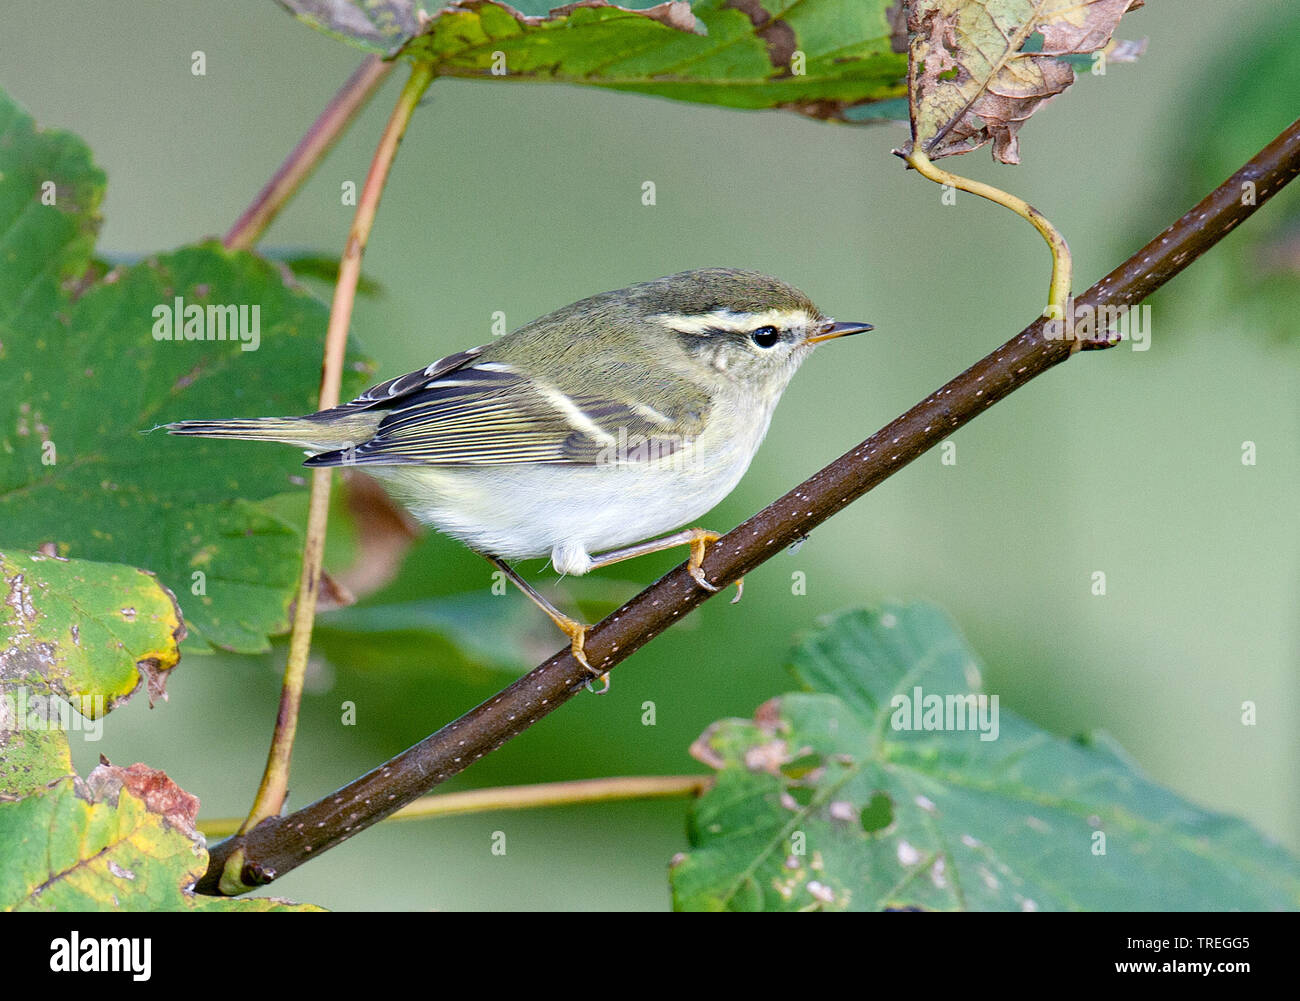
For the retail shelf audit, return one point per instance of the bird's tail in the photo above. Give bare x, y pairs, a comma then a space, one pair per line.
306, 432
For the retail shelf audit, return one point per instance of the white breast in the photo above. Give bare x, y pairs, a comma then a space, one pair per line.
571, 512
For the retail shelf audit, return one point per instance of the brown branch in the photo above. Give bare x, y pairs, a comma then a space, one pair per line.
280, 844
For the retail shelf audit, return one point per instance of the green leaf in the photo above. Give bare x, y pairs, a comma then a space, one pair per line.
836, 799
829, 60
122, 840
978, 69
83, 373
76, 635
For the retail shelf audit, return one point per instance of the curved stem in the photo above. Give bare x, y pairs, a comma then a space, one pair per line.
1058, 292
307, 155
275, 779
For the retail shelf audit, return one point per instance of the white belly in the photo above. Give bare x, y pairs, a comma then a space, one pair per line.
525, 510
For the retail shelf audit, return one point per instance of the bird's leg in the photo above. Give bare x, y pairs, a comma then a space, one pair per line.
699, 539
575, 630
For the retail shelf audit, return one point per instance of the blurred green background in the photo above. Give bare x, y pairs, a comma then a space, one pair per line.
517, 197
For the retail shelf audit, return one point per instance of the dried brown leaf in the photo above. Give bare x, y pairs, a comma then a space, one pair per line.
970, 80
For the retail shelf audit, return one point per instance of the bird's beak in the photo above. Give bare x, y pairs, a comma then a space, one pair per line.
830, 330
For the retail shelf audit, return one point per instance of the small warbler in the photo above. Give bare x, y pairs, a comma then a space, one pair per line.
582, 433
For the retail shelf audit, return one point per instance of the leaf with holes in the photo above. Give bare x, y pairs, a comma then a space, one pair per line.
978, 69
121, 840
74, 635
89, 361
831, 60
894, 781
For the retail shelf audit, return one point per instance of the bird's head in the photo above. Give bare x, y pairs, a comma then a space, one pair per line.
741, 325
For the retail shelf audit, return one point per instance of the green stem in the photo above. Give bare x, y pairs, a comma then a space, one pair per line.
455, 804
275, 779
1058, 292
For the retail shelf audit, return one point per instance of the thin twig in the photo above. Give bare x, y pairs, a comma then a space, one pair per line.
529, 797
307, 155
280, 844
275, 779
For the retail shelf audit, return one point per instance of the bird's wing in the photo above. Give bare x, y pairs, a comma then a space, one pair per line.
489, 413
390, 393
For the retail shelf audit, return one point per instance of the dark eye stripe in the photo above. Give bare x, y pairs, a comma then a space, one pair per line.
693, 342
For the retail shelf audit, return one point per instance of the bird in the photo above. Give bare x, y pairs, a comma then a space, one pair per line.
584, 435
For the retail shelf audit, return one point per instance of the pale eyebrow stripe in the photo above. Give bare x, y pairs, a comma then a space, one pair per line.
726, 319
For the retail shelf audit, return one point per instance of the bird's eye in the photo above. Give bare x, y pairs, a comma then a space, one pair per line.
765, 337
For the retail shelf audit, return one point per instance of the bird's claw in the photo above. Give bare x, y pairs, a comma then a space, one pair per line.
578, 637
700, 545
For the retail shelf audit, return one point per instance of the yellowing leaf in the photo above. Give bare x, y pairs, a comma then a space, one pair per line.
122, 840
78, 627
79, 634
977, 69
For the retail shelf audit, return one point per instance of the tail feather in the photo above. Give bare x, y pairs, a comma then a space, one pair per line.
305, 432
